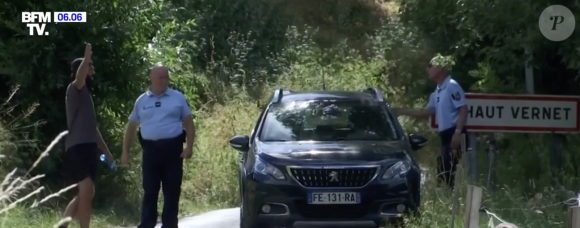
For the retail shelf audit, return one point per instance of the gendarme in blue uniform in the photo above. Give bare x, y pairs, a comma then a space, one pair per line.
160, 117
446, 100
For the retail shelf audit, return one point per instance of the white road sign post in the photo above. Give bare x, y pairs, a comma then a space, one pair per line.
521, 113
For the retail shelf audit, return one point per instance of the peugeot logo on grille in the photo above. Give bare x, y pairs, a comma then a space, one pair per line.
333, 176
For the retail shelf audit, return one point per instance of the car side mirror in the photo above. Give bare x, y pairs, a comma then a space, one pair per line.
417, 141
240, 143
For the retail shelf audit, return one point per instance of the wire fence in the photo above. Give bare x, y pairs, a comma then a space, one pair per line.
474, 200
496, 221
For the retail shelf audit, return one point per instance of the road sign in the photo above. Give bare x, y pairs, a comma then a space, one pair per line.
521, 113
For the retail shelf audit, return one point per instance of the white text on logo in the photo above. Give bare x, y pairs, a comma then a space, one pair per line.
36, 22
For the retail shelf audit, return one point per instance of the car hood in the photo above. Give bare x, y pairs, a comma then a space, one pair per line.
332, 152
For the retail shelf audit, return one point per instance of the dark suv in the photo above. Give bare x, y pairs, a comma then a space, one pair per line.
327, 159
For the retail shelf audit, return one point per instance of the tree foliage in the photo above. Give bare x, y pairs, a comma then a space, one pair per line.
119, 32
492, 41
496, 33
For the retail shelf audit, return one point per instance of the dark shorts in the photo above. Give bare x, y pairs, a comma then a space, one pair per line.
81, 161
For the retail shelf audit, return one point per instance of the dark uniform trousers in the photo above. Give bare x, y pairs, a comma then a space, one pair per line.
162, 168
447, 161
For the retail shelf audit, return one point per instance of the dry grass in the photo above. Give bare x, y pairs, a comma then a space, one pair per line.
12, 187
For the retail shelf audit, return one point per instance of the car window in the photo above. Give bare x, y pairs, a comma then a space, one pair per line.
329, 120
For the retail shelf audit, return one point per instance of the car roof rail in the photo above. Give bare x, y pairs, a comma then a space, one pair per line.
279, 94
375, 92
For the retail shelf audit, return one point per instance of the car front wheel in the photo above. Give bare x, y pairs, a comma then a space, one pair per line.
415, 207
247, 215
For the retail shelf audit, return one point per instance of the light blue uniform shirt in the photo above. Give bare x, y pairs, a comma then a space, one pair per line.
160, 117
446, 101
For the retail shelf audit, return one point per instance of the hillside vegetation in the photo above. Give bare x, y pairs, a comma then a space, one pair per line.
228, 56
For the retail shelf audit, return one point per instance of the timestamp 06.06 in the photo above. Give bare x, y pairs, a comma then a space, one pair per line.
70, 17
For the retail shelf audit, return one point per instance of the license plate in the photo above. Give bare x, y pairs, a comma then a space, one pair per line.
333, 198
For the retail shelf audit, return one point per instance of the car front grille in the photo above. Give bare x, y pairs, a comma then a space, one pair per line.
333, 178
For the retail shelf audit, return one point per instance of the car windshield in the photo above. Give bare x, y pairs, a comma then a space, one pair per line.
327, 121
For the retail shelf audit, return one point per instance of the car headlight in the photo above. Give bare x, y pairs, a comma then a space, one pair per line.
398, 168
267, 169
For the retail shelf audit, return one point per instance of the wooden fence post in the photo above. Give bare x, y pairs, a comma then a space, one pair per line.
455, 193
472, 206
574, 217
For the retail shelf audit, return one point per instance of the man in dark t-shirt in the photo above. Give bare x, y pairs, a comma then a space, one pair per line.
84, 141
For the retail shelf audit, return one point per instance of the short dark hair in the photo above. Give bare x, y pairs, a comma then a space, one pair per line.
74, 66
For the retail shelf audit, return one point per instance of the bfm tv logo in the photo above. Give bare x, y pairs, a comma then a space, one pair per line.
36, 21
30, 18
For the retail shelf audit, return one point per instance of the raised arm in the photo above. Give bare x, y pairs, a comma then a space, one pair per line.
83, 71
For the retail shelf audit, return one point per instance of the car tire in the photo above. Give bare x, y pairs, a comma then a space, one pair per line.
247, 221
415, 201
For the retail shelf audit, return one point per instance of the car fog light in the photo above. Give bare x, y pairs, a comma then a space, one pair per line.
266, 208
401, 208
